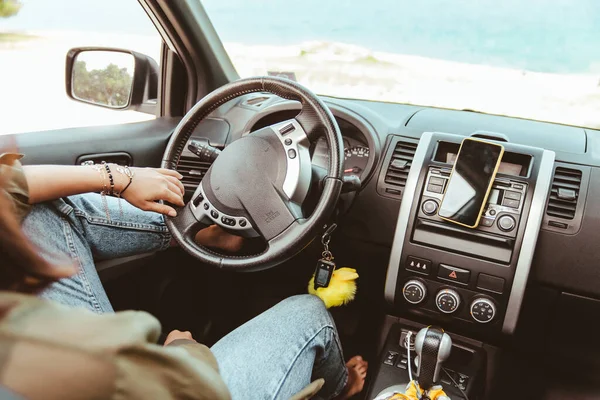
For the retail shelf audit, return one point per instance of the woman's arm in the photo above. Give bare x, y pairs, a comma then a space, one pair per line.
50, 182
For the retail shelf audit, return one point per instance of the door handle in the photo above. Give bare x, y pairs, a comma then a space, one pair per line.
120, 158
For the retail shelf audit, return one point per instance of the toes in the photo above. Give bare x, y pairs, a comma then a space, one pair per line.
354, 361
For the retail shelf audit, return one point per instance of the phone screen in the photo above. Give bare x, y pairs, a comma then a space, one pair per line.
470, 182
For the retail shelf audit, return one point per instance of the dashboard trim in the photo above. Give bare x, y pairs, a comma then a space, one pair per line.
532, 230
403, 216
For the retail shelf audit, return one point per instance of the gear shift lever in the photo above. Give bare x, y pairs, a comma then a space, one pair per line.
433, 347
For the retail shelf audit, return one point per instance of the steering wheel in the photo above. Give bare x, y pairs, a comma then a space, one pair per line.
258, 183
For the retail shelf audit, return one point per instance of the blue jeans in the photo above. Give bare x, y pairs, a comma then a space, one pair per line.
273, 356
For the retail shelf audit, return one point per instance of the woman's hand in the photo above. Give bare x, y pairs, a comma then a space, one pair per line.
150, 185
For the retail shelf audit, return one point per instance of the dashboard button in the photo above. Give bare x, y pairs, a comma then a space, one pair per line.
435, 188
512, 195
492, 212
486, 222
437, 181
490, 283
510, 203
418, 265
390, 358
506, 223
454, 274
429, 207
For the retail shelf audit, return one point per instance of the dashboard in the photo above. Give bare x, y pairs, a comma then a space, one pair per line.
356, 148
541, 221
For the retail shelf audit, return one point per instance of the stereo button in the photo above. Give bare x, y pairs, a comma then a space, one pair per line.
510, 203
429, 207
506, 223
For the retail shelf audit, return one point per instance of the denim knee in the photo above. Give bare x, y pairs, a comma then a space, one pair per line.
306, 308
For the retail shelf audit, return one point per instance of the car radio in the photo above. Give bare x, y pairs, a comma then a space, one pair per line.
501, 214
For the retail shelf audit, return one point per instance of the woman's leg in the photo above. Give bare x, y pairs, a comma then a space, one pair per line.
77, 230
278, 353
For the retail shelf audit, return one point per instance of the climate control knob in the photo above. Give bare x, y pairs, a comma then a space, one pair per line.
483, 310
447, 301
414, 291
429, 207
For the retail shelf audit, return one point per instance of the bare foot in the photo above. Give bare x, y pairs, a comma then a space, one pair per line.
357, 372
217, 238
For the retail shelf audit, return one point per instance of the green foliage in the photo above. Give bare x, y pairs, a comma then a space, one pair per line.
110, 86
8, 8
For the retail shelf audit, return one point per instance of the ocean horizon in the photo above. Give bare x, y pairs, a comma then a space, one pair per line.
558, 36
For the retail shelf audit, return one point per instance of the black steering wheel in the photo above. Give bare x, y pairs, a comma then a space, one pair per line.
258, 183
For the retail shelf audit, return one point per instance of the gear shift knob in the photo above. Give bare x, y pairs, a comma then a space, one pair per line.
433, 347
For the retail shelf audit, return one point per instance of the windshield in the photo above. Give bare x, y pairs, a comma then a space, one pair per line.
535, 59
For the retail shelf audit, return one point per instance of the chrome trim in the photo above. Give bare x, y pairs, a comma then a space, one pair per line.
299, 169
403, 216
532, 229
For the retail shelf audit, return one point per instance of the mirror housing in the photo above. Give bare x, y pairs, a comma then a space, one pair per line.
138, 74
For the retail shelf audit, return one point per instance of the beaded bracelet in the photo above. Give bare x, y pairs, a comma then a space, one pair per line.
111, 179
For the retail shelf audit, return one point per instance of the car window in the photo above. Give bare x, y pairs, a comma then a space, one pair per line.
35, 36
536, 59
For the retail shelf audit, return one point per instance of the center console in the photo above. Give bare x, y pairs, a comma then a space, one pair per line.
459, 276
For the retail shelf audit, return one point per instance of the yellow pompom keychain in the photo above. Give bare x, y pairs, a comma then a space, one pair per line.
335, 287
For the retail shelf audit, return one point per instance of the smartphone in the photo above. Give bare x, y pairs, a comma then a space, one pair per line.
470, 182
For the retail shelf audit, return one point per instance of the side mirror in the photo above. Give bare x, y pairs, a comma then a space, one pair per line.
112, 78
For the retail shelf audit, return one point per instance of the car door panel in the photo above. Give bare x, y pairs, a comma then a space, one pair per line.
144, 142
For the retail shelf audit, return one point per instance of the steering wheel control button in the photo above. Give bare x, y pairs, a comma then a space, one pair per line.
419, 265
447, 301
287, 141
199, 199
214, 214
292, 153
483, 310
289, 128
414, 291
228, 221
429, 207
206, 206
506, 223
454, 274
490, 283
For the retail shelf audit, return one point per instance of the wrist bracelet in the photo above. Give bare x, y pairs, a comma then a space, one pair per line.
111, 179
128, 173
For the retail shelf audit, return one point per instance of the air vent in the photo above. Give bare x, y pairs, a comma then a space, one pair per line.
193, 170
398, 161
566, 186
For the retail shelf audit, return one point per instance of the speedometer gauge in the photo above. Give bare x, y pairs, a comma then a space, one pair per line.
355, 160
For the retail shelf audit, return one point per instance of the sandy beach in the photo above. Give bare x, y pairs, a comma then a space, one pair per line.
33, 89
